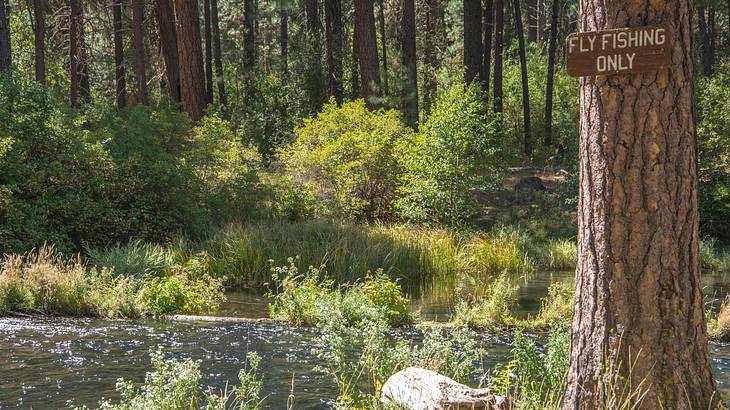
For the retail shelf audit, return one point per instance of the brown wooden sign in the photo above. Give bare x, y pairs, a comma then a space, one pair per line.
620, 51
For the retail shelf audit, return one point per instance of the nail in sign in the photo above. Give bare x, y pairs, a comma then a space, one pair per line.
620, 51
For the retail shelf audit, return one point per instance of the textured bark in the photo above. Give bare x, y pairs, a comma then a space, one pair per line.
39, 33
284, 37
5, 55
208, 38
525, 84
408, 53
249, 46
140, 67
119, 73
638, 321
73, 51
217, 56
532, 20
383, 43
488, 29
473, 40
334, 37
367, 52
165, 16
192, 88
497, 94
552, 49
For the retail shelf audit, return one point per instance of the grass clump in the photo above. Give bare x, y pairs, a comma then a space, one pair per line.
719, 326
561, 254
492, 308
555, 310
712, 258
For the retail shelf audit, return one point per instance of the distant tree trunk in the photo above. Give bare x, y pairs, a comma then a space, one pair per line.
704, 38
208, 38
532, 20
39, 37
249, 46
498, 39
192, 87
711, 32
218, 57
384, 44
334, 37
433, 14
639, 326
367, 51
408, 53
473, 40
525, 84
73, 51
168, 42
5, 55
552, 48
139, 57
488, 29
284, 37
314, 78
355, 68
84, 81
119, 72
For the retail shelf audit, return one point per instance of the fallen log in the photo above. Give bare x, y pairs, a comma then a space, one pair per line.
420, 389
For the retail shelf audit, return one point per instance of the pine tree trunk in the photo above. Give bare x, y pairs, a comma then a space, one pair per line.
704, 38
367, 52
249, 47
498, 39
314, 79
218, 57
384, 44
5, 55
552, 48
429, 79
84, 80
525, 84
711, 33
488, 29
284, 37
119, 72
208, 38
139, 58
408, 53
192, 87
334, 37
473, 40
73, 53
639, 321
168, 43
39, 41
532, 20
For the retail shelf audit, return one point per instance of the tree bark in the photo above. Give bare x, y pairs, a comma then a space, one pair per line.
498, 39
473, 40
433, 13
552, 48
168, 42
384, 44
638, 321
39, 41
192, 88
532, 20
408, 53
488, 29
5, 54
73, 51
218, 58
525, 83
139, 58
249, 47
284, 37
208, 38
314, 79
367, 52
119, 72
334, 36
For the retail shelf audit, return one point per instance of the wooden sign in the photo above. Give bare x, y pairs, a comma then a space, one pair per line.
620, 51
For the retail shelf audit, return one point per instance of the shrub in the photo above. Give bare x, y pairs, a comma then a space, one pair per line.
181, 294
347, 155
555, 309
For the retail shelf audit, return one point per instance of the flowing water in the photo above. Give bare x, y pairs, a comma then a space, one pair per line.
46, 362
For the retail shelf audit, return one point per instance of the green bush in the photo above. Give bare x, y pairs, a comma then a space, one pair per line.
181, 294
347, 155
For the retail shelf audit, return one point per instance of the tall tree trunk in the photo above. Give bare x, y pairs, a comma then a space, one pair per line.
218, 57
73, 51
119, 72
540, 19
5, 55
84, 81
532, 20
314, 80
552, 48
384, 44
473, 40
498, 41
284, 37
711, 42
704, 38
638, 321
249, 46
355, 68
40, 41
488, 29
408, 53
525, 84
208, 38
433, 13
168, 43
192, 87
140, 67
334, 37
367, 52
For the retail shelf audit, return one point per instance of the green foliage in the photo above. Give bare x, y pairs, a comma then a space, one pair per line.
561, 254
454, 158
347, 155
181, 294
489, 308
556, 309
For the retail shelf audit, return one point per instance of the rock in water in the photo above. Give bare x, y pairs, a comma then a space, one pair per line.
421, 389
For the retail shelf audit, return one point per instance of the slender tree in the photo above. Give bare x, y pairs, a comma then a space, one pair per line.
73, 50
408, 53
384, 44
208, 38
488, 29
354, 67
314, 79
433, 13
165, 16
552, 49
5, 55
249, 46
367, 52
83, 62
39, 33
532, 20
334, 37
217, 56
498, 39
192, 86
639, 320
140, 66
119, 72
525, 83
284, 37
473, 40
